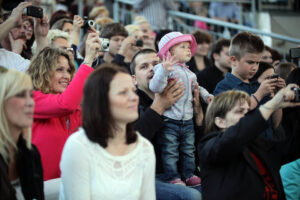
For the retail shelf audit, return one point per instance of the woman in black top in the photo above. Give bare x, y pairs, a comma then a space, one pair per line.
235, 162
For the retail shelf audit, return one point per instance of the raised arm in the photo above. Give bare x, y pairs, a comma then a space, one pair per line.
161, 74
75, 34
54, 105
41, 29
232, 141
14, 19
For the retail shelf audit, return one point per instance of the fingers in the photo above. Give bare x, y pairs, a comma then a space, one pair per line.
19, 9
93, 42
171, 84
178, 93
78, 21
10, 37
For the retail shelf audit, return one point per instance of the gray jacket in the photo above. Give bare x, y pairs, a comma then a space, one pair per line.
183, 108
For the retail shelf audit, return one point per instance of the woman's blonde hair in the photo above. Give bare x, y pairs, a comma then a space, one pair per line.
221, 105
97, 11
131, 28
138, 20
12, 82
43, 66
104, 20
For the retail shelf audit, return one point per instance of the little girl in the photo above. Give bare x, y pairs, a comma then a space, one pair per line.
177, 136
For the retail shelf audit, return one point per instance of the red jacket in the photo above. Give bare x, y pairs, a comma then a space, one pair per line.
56, 116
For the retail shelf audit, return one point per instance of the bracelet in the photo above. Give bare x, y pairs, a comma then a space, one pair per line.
255, 98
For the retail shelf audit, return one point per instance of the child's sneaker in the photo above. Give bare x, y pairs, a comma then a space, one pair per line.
193, 181
178, 181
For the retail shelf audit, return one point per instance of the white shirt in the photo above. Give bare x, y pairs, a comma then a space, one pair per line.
17, 185
11, 60
88, 171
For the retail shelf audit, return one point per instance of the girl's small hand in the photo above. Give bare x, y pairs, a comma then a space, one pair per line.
168, 62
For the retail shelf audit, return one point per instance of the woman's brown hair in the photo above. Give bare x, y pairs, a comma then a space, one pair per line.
221, 105
97, 119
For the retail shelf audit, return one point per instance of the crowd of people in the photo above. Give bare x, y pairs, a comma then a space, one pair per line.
156, 114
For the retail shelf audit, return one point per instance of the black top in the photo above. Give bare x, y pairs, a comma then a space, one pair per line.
209, 78
148, 124
118, 59
193, 66
30, 172
228, 170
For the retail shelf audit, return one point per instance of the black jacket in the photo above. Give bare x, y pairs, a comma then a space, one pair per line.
30, 173
193, 65
228, 170
148, 124
209, 78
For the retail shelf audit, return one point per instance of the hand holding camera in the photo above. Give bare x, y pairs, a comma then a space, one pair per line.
286, 97
16, 14
280, 83
93, 45
267, 87
130, 44
297, 94
77, 23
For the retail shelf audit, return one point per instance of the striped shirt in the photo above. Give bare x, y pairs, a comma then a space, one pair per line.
155, 11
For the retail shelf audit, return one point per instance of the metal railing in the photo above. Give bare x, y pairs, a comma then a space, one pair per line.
187, 16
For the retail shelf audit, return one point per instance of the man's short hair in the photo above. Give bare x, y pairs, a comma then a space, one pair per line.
245, 42
218, 46
133, 63
113, 29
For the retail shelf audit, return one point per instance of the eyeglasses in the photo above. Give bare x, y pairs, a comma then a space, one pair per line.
3, 69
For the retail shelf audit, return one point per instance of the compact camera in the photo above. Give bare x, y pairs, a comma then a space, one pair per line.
34, 11
139, 43
104, 44
87, 23
297, 97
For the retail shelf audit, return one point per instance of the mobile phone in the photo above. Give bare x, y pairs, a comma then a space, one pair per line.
274, 76
34, 11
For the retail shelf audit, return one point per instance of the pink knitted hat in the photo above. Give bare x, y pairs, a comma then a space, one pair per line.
172, 39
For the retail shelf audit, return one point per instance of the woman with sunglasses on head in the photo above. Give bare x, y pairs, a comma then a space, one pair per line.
21, 173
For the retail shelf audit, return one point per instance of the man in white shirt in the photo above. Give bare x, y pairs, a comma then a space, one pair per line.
10, 59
